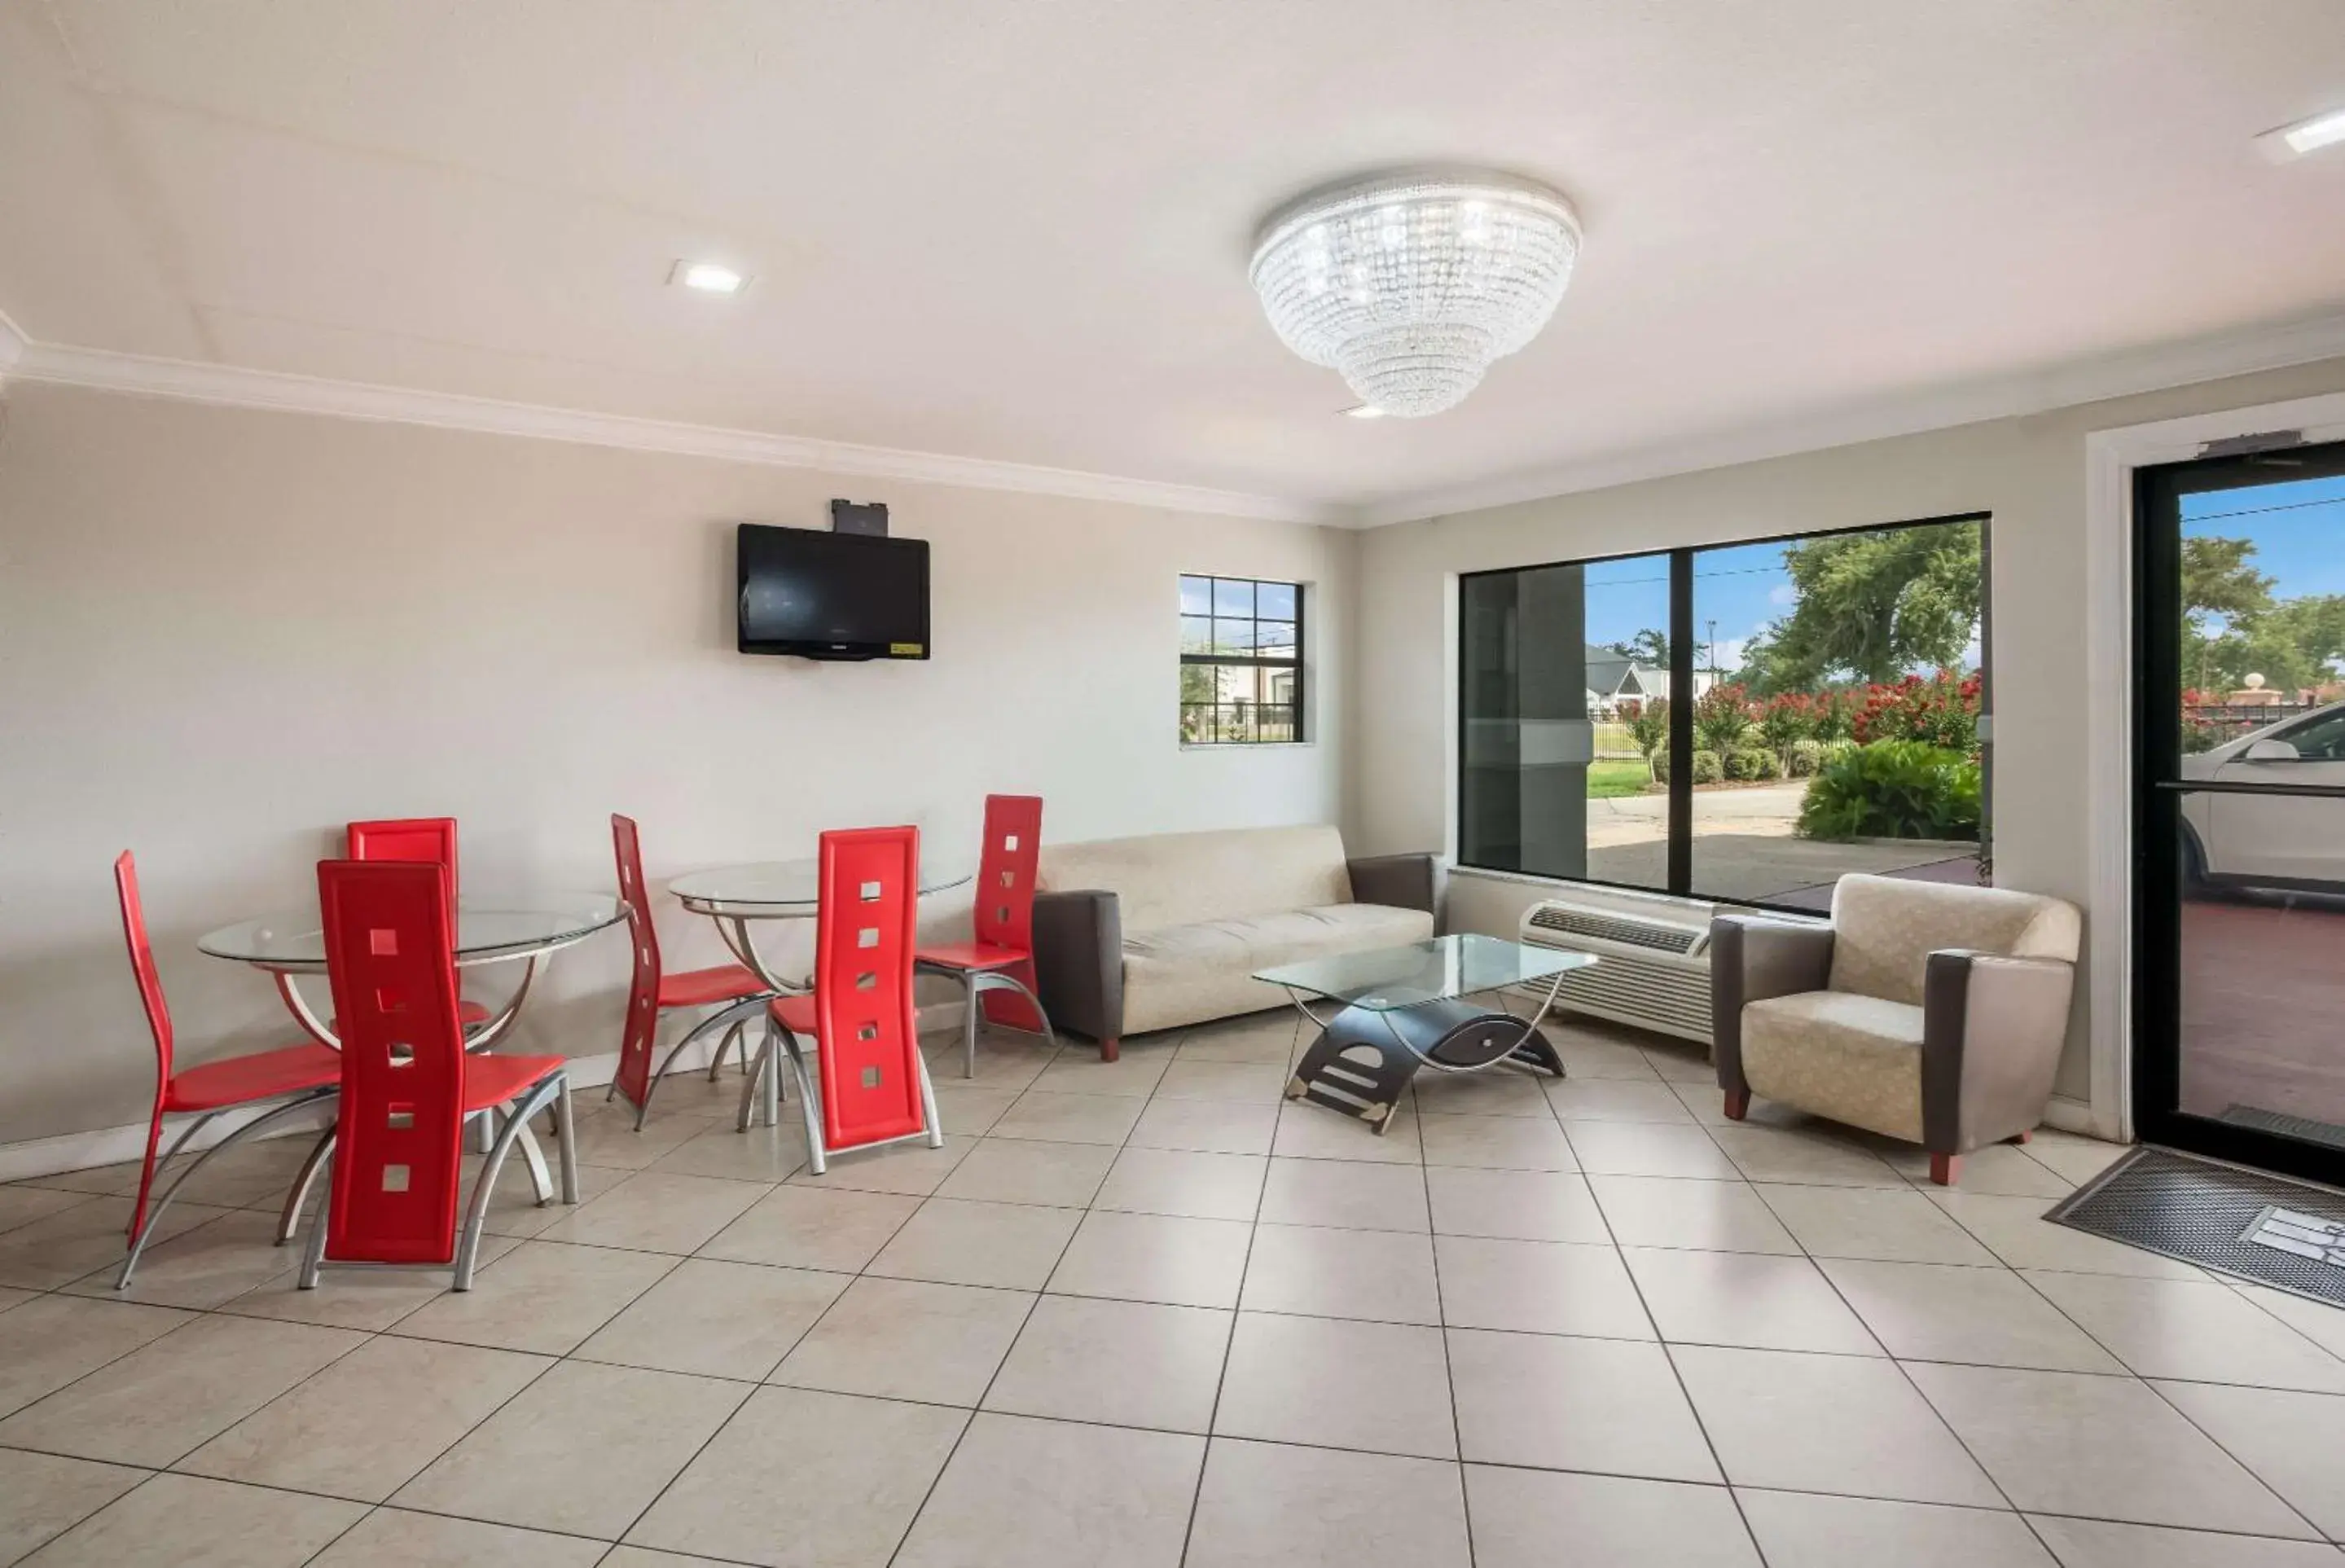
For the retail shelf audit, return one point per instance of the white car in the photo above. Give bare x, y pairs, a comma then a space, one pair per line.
2275, 841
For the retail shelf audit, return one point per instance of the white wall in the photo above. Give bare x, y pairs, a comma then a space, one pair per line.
2030, 474
223, 633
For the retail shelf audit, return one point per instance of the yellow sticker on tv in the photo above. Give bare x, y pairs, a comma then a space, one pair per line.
904, 650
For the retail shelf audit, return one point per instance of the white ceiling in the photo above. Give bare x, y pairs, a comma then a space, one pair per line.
1018, 231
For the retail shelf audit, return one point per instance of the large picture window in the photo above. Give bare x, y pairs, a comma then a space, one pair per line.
1241, 661
1744, 722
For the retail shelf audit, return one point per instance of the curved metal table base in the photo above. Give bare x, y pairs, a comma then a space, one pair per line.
1365, 1057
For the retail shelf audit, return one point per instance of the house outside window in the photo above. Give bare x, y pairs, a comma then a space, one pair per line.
1241, 661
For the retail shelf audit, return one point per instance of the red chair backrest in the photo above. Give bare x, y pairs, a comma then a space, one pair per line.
1005, 873
1004, 913
398, 1156
142, 966
635, 1040
863, 936
407, 839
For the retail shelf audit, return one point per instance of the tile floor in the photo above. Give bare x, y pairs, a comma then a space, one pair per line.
1148, 1313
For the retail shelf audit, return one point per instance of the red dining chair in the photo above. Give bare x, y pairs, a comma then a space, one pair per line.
653, 993
430, 839
996, 966
408, 1085
874, 1086
301, 1075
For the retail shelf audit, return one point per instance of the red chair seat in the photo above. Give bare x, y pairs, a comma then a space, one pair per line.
263, 1075
699, 987
975, 956
491, 1079
794, 1013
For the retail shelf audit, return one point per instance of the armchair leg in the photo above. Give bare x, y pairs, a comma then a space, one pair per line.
1946, 1169
1108, 1050
1738, 1103
2021, 1137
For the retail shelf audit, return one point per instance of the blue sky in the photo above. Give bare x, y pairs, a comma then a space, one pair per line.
2297, 526
1743, 588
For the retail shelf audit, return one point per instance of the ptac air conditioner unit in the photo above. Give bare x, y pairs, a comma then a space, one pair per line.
1652, 952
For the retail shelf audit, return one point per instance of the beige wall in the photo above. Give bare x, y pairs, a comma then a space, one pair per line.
2029, 473
223, 633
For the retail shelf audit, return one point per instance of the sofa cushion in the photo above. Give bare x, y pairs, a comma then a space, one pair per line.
1183, 879
1885, 928
1856, 1059
1187, 974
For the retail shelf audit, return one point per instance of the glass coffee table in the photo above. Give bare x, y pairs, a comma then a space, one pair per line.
1403, 1008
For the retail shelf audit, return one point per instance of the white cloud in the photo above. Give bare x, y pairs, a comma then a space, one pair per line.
1784, 594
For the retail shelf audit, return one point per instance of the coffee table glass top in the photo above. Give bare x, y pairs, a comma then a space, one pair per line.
1388, 978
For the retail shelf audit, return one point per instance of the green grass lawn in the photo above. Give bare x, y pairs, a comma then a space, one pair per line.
1610, 777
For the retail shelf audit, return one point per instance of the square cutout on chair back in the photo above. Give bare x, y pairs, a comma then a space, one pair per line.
383, 944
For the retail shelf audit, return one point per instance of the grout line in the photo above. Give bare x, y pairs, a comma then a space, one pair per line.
1229, 1343
1676, 1373
1034, 1302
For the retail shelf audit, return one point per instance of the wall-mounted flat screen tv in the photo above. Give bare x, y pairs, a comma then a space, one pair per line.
827, 595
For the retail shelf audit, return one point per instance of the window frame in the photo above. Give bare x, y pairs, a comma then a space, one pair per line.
1679, 846
1214, 660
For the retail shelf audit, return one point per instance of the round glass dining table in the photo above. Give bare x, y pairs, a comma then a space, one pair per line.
506, 931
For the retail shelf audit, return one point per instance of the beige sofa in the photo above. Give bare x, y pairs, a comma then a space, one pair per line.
1136, 934
1924, 1011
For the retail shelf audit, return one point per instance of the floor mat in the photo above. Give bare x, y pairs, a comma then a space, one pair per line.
2286, 1234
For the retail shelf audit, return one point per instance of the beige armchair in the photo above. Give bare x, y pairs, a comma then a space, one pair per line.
1926, 1011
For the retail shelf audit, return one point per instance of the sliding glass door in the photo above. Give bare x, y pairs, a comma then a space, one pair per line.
2239, 808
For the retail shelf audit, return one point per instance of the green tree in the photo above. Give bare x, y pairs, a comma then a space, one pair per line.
1650, 648
2233, 628
2217, 581
1871, 606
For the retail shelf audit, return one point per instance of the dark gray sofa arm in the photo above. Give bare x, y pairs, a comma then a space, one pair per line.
1079, 963
1992, 1031
1750, 960
1404, 881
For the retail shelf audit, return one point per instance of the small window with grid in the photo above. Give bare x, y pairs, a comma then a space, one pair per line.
1240, 662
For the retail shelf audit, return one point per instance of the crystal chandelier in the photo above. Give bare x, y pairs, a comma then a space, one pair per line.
1410, 284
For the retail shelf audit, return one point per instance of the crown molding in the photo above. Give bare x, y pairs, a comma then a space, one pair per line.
2094, 379
106, 370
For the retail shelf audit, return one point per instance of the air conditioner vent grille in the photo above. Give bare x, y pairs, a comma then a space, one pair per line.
1661, 936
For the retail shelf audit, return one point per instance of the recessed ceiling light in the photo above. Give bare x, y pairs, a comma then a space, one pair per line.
2305, 136
708, 277
1361, 410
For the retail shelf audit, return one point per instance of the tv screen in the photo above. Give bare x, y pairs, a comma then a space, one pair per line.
832, 595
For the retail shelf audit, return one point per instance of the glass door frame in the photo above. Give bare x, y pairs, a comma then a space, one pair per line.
2156, 1044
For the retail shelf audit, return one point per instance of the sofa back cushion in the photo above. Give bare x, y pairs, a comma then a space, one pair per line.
1885, 928
1179, 879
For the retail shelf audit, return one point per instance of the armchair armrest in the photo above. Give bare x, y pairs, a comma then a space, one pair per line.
1404, 881
1992, 1031
1079, 963
1751, 958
